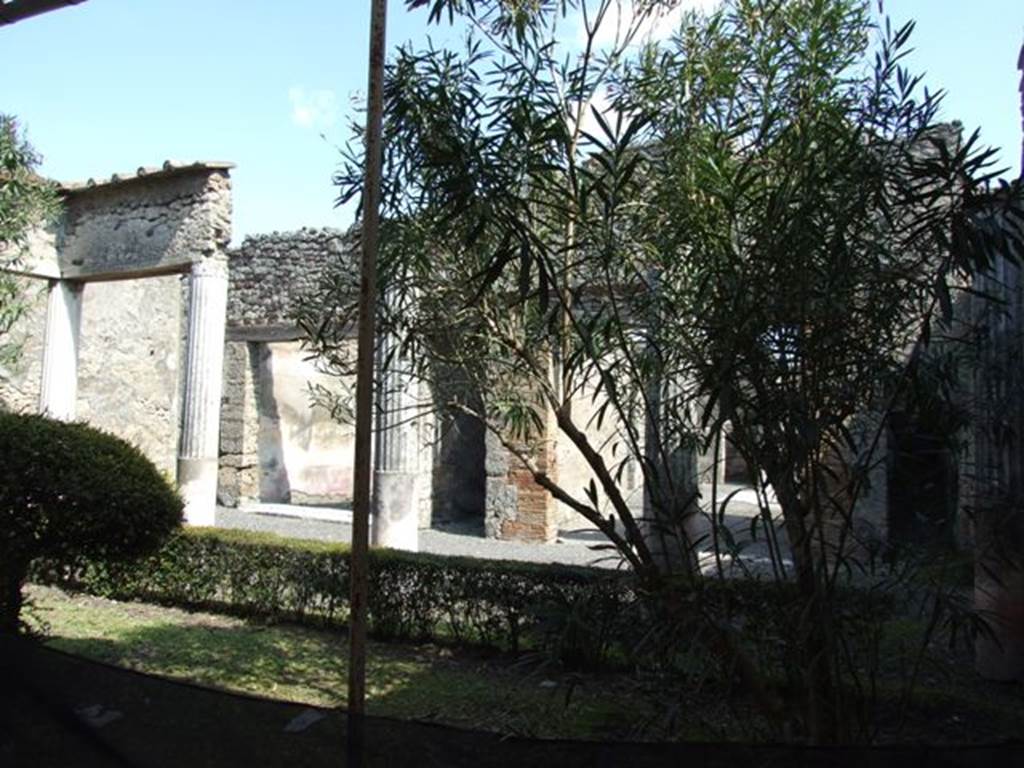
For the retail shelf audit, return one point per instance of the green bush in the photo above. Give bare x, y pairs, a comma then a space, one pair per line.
413, 596
576, 617
573, 616
68, 492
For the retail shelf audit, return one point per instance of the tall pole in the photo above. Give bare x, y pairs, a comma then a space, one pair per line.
358, 563
1020, 66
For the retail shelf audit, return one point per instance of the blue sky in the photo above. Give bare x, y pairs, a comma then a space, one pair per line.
110, 85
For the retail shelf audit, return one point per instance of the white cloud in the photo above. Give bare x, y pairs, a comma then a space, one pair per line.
316, 109
660, 25
602, 104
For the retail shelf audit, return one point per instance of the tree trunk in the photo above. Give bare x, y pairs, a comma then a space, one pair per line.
12, 577
816, 686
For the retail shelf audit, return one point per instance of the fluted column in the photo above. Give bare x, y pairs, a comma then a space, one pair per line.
200, 424
397, 480
58, 389
670, 522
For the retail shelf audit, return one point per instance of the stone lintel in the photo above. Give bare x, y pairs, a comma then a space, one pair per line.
265, 333
153, 223
135, 271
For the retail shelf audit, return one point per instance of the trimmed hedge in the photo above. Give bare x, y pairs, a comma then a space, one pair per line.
581, 617
413, 596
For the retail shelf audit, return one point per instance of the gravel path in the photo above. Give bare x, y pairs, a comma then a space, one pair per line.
466, 538
453, 539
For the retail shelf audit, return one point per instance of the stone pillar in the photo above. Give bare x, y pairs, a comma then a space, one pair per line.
200, 425
670, 521
58, 389
397, 480
239, 462
515, 507
871, 507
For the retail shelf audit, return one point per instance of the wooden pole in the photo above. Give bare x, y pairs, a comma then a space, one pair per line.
358, 563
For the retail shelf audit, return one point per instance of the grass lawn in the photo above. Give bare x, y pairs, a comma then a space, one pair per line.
423, 682
479, 690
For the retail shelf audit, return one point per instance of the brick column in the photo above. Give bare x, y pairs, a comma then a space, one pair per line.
515, 507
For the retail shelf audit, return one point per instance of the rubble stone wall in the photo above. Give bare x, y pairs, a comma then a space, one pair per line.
160, 222
276, 444
270, 274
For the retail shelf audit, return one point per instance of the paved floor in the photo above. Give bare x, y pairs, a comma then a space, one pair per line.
575, 547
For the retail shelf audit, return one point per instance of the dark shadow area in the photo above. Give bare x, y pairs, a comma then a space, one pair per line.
736, 469
922, 485
275, 487
58, 709
459, 472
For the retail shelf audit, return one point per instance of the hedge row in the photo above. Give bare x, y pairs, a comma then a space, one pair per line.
415, 596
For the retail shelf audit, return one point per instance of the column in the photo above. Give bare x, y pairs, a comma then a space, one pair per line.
58, 389
396, 474
671, 521
872, 458
998, 514
197, 458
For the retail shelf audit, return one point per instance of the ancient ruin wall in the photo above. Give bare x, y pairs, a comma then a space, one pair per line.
276, 446
152, 226
270, 275
130, 361
162, 221
19, 381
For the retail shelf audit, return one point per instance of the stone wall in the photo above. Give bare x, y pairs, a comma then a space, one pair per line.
239, 468
151, 226
130, 361
276, 445
20, 381
269, 275
161, 220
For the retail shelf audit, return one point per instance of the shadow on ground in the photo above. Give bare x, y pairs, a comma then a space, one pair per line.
56, 709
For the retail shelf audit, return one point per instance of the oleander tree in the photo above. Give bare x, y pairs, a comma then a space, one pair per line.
758, 220
26, 201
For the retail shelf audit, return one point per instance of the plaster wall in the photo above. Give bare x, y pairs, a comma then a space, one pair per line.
575, 474
130, 362
305, 456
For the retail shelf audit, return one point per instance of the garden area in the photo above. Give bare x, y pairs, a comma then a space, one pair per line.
515, 649
754, 238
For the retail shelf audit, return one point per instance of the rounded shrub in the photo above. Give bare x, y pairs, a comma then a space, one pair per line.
70, 491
